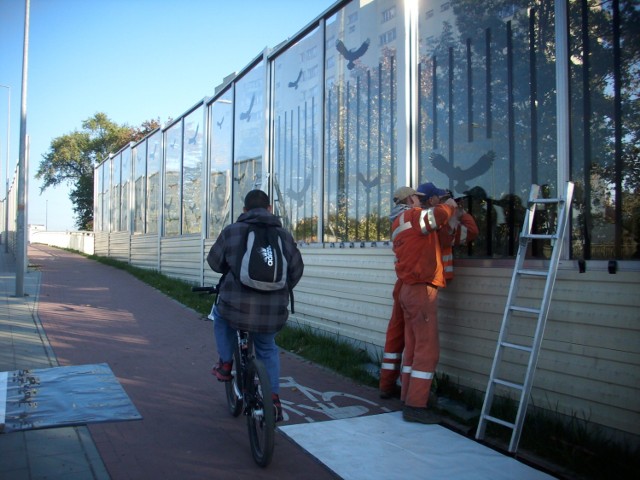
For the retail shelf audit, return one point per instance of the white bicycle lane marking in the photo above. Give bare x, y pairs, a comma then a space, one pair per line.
323, 403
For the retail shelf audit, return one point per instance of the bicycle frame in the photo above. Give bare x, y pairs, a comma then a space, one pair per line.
249, 392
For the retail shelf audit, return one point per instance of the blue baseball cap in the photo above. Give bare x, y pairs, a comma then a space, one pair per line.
429, 190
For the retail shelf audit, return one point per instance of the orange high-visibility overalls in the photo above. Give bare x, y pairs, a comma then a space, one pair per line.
464, 232
419, 268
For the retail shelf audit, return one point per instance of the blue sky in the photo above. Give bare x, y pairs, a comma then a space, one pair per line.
132, 59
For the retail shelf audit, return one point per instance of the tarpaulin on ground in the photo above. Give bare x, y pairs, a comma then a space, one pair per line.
62, 396
418, 451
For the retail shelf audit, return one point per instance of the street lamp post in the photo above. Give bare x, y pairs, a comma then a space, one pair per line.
21, 237
6, 191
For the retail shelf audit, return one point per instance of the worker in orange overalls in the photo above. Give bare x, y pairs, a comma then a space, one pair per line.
419, 267
461, 230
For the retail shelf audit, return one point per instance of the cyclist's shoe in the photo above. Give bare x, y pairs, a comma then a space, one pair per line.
277, 407
222, 371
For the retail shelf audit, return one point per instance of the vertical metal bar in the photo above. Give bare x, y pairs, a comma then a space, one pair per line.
290, 166
312, 198
21, 224
488, 80
434, 103
304, 169
6, 171
563, 130
276, 174
327, 168
617, 119
368, 186
344, 171
451, 120
380, 147
586, 128
511, 127
234, 96
324, 150
533, 98
392, 123
282, 182
533, 113
298, 140
357, 122
422, 171
469, 93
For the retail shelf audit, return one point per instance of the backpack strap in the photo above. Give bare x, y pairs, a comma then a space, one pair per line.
284, 253
220, 280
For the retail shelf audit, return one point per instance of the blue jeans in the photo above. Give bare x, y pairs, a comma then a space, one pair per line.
264, 343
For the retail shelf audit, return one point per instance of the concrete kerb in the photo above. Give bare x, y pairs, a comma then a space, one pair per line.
58, 453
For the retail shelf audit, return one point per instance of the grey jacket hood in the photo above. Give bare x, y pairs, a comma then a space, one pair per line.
260, 215
397, 210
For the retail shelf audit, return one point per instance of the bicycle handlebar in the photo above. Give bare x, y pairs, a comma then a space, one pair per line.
205, 289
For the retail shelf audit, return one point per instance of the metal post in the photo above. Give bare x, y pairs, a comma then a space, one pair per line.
21, 243
6, 191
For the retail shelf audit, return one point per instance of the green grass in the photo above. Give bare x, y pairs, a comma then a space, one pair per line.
339, 356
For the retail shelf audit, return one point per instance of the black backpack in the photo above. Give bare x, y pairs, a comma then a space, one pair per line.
262, 266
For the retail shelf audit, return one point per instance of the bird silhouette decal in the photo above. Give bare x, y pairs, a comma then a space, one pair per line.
152, 155
295, 84
239, 179
299, 196
220, 123
354, 54
247, 115
192, 140
368, 184
482, 165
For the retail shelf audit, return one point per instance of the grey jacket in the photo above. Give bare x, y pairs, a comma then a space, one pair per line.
242, 307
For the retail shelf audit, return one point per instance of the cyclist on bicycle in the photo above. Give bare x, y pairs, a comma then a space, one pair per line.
242, 308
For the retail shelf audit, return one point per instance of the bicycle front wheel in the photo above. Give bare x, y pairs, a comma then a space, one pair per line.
261, 418
233, 387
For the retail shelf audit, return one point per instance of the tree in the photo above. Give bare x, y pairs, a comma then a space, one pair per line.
72, 157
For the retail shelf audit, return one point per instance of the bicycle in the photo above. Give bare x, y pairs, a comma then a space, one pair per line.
249, 392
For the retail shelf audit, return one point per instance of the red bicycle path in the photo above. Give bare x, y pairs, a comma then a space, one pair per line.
162, 352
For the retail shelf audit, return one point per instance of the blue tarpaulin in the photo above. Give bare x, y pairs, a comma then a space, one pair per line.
62, 396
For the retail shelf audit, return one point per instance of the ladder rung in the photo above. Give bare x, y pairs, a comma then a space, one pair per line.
501, 422
537, 273
524, 348
541, 236
515, 386
524, 309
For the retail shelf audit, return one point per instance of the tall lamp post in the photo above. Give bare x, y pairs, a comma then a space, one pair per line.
6, 191
21, 237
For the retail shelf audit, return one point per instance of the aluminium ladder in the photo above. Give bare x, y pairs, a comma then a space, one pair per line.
507, 347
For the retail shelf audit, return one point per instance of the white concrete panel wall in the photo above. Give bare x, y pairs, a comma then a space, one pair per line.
120, 246
181, 257
144, 251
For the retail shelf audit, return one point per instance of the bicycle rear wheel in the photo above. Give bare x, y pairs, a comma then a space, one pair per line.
261, 415
233, 387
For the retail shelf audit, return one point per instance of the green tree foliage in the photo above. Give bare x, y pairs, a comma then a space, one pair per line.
72, 157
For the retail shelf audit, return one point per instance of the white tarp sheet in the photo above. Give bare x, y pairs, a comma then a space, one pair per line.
385, 446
